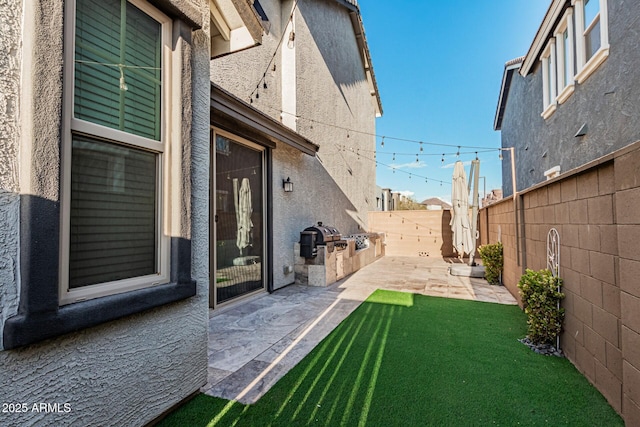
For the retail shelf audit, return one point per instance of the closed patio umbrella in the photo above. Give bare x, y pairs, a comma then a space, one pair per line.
460, 225
242, 201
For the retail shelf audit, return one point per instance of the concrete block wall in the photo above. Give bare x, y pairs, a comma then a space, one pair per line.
498, 225
626, 208
595, 210
414, 233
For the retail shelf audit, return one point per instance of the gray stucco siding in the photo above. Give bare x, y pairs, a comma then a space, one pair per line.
607, 102
243, 71
10, 64
334, 97
335, 187
126, 371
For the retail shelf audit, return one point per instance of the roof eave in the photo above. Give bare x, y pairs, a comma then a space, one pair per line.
363, 47
233, 107
509, 69
546, 27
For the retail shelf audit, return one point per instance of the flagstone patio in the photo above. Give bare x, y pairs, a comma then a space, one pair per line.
255, 342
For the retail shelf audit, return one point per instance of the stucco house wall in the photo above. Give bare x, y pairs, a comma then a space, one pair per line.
127, 371
10, 63
607, 102
331, 96
334, 97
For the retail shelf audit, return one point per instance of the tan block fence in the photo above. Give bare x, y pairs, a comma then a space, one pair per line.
414, 233
596, 210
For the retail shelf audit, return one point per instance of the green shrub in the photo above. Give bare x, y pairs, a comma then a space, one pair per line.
493, 261
540, 298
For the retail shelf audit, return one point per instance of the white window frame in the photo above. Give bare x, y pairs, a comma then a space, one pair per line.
549, 77
72, 125
586, 68
565, 88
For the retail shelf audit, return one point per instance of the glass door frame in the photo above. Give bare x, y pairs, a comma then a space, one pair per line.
213, 297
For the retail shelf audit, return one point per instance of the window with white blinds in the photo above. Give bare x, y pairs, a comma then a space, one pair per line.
116, 147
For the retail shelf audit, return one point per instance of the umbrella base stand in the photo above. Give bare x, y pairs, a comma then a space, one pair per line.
466, 270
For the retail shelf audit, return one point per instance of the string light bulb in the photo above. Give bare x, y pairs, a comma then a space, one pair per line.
123, 84
500, 155
382, 142
421, 148
292, 39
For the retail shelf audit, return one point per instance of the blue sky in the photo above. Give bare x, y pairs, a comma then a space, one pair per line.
439, 65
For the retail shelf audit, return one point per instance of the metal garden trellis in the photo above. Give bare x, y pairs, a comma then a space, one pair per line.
553, 263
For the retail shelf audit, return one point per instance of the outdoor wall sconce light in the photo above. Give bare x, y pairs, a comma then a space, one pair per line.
287, 185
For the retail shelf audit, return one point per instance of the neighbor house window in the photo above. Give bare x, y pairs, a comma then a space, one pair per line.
549, 78
114, 152
592, 36
564, 47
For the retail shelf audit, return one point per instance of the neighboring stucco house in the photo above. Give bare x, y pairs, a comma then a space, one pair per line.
294, 113
574, 96
435, 204
104, 204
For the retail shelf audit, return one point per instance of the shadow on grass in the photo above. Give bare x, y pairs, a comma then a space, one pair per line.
403, 359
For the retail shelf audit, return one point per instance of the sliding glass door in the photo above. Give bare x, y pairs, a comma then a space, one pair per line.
239, 217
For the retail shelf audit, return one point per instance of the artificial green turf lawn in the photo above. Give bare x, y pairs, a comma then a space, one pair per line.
411, 360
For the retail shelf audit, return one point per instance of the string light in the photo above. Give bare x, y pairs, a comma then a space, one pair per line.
383, 137
421, 148
264, 75
392, 167
394, 213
